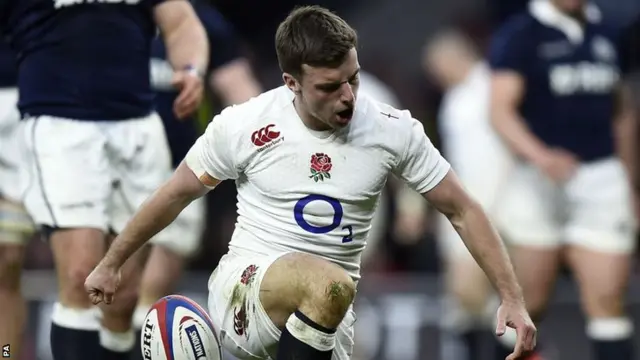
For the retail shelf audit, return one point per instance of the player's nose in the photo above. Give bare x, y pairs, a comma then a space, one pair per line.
348, 95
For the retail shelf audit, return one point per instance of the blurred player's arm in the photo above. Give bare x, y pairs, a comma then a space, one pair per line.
510, 58
183, 34
507, 90
626, 130
231, 76
187, 50
234, 82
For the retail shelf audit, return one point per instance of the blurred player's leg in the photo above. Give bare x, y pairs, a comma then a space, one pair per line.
15, 224
75, 323
293, 306
70, 183
526, 215
139, 151
466, 309
11, 301
601, 237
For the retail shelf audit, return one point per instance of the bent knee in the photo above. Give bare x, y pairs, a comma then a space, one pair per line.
11, 258
325, 285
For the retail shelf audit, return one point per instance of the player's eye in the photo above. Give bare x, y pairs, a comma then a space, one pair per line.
328, 88
354, 80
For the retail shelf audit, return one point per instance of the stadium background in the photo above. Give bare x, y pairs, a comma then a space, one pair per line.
400, 296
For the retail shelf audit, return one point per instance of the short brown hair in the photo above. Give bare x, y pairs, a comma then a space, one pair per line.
314, 36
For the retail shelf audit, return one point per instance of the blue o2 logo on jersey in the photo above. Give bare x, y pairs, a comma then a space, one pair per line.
338, 212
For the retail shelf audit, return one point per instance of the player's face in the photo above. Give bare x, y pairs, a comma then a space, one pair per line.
440, 66
328, 95
570, 6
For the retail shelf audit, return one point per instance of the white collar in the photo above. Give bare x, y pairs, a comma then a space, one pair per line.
545, 12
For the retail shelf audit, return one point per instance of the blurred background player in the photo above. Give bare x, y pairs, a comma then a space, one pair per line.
91, 134
15, 224
482, 163
230, 78
554, 96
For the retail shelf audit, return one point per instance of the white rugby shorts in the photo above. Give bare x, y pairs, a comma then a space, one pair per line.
594, 209
87, 174
242, 324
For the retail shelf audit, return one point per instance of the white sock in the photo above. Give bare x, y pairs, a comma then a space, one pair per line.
117, 342
315, 338
139, 315
77, 319
609, 329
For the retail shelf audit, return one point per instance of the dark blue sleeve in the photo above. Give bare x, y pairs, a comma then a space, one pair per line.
511, 47
224, 45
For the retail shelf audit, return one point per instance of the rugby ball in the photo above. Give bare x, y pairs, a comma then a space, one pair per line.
177, 328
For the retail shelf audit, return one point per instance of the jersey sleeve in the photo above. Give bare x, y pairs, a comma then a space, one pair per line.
212, 154
421, 165
223, 41
509, 48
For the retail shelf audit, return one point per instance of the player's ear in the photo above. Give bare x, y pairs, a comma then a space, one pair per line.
291, 82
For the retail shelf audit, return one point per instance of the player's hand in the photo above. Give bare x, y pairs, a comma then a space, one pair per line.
191, 88
559, 165
514, 315
102, 284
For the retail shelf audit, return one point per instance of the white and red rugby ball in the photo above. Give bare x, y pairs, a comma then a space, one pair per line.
177, 328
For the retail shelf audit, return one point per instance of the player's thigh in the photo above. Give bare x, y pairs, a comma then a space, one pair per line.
601, 213
67, 173
183, 236
601, 233
526, 209
250, 299
141, 161
464, 278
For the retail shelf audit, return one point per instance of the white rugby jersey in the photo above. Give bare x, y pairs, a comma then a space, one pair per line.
310, 191
471, 145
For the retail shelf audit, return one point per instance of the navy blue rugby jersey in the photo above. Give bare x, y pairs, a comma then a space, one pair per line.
8, 71
224, 47
82, 59
570, 73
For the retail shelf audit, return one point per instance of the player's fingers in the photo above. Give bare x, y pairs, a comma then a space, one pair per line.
501, 326
518, 350
187, 104
531, 338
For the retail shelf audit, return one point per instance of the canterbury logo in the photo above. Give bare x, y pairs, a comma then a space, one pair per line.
265, 135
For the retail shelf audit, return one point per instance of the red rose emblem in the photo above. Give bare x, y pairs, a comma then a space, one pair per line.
321, 162
320, 167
